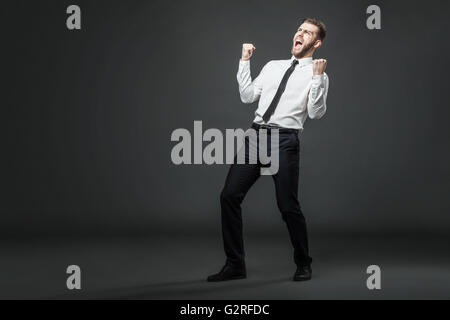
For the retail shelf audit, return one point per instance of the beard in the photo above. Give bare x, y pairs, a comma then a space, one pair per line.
304, 50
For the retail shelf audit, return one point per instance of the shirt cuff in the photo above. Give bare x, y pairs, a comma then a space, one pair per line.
318, 78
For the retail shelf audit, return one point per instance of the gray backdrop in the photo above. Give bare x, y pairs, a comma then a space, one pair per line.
87, 115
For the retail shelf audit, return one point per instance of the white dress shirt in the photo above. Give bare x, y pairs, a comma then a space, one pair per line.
305, 93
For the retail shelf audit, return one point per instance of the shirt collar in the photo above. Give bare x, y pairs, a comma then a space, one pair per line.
303, 61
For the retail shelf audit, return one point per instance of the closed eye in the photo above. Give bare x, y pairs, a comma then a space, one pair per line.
306, 31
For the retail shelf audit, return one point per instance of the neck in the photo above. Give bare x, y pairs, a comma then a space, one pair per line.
307, 54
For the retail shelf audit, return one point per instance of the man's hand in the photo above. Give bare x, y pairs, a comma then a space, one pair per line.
319, 66
247, 51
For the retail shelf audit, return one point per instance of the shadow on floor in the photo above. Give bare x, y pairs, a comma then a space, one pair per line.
174, 289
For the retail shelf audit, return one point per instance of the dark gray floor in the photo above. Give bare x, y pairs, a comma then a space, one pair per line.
176, 267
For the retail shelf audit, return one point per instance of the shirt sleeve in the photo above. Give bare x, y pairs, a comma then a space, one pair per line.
249, 90
317, 97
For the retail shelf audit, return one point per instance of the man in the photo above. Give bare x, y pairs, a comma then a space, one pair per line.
289, 91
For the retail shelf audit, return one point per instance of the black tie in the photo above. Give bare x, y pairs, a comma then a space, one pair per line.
269, 112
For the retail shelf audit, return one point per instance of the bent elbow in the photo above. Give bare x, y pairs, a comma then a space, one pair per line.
246, 98
316, 115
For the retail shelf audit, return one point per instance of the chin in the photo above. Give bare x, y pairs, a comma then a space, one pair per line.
296, 53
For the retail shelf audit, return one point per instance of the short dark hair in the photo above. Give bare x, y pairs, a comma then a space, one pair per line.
319, 24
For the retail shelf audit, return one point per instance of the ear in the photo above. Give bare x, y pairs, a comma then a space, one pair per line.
317, 44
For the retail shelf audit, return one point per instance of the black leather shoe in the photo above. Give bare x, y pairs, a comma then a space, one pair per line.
303, 273
228, 272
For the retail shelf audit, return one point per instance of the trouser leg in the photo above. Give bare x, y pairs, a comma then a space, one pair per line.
286, 185
239, 180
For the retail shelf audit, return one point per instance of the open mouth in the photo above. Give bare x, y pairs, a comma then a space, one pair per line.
298, 44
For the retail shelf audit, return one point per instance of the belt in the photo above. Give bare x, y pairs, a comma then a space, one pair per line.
272, 127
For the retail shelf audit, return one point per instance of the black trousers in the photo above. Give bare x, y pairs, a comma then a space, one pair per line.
239, 180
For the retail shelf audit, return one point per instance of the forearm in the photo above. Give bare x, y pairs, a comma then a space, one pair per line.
317, 96
246, 86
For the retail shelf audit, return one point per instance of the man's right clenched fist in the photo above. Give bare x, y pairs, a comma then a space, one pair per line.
247, 51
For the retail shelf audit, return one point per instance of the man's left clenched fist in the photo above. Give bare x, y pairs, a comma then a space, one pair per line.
319, 66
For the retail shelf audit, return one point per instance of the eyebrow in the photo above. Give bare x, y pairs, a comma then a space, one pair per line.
305, 30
